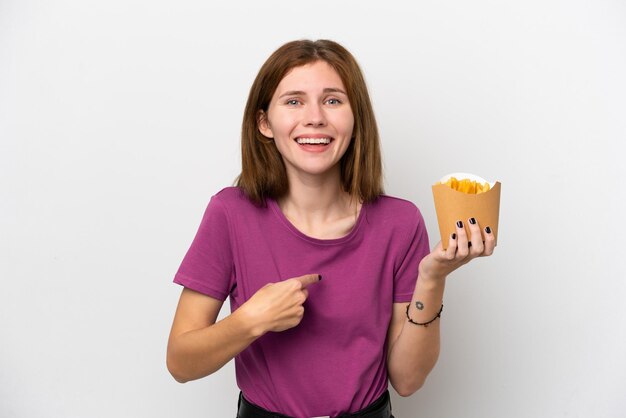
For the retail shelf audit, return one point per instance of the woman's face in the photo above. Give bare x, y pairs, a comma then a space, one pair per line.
310, 119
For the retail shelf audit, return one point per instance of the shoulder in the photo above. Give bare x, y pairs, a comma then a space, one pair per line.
401, 223
230, 195
232, 198
395, 209
233, 204
394, 217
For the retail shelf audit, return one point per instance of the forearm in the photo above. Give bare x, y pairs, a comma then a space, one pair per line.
415, 351
201, 352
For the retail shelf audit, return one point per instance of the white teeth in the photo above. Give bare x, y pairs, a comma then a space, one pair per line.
313, 140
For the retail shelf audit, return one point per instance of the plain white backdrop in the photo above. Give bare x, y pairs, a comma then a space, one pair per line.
119, 120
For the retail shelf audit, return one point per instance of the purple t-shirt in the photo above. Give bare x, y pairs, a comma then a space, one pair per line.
334, 361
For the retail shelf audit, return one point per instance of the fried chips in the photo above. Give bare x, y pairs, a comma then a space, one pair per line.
467, 186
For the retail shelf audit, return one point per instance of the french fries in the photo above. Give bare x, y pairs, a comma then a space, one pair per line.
461, 196
467, 186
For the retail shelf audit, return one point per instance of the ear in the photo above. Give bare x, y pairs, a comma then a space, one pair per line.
264, 125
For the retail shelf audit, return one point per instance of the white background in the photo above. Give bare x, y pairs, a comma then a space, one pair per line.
120, 118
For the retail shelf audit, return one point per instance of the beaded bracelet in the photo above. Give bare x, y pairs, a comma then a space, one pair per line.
424, 324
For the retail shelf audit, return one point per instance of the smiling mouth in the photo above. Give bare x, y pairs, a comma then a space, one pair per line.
313, 141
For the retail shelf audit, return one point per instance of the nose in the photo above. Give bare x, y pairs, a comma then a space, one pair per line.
315, 115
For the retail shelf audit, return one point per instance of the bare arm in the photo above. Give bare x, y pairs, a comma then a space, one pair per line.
413, 350
199, 346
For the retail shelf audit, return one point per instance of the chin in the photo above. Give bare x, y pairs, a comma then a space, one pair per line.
317, 170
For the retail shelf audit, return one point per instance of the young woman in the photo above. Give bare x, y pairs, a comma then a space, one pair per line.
333, 288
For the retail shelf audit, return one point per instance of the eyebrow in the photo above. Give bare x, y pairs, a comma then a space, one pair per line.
302, 93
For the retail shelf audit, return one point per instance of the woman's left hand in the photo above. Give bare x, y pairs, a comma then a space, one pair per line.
461, 250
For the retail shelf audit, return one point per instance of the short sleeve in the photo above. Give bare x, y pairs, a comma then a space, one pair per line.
418, 247
208, 265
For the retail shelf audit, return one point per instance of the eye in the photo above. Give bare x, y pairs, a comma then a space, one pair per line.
293, 102
333, 101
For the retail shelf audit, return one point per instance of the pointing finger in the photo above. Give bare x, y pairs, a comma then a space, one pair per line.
309, 279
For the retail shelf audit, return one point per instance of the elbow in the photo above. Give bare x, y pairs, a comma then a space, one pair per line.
179, 378
406, 384
182, 370
177, 367
406, 389
172, 366
176, 372
407, 381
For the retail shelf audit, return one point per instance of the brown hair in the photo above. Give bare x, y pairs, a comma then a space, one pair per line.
263, 171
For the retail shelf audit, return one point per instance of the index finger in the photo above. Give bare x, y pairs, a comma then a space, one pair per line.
309, 279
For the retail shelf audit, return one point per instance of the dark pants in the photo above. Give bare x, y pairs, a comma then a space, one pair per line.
380, 408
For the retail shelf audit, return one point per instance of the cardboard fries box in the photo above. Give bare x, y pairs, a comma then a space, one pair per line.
452, 206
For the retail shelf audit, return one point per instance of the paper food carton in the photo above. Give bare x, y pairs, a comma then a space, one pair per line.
453, 205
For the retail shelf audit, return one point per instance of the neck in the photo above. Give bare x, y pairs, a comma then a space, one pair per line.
315, 201
314, 193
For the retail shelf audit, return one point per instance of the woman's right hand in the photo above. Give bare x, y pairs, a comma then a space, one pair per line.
278, 306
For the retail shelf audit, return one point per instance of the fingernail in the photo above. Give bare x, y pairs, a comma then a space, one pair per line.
459, 224
319, 277
488, 230
454, 235
472, 221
